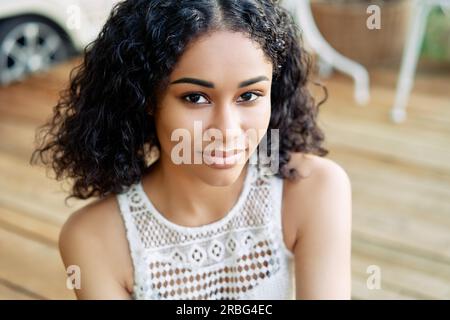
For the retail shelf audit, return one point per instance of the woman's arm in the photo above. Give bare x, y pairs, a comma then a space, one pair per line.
323, 205
81, 244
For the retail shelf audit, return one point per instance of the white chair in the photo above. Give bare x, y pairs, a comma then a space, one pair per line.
418, 23
301, 10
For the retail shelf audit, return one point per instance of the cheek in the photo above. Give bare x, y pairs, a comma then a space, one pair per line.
262, 115
170, 120
167, 120
265, 115
256, 123
170, 117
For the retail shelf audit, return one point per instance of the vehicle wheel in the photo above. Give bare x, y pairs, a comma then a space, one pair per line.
29, 45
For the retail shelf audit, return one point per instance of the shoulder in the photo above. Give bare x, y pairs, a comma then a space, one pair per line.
94, 238
319, 206
317, 169
321, 193
87, 220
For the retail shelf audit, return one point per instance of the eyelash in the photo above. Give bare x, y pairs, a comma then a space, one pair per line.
256, 93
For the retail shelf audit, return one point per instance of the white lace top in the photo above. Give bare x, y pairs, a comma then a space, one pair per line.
240, 256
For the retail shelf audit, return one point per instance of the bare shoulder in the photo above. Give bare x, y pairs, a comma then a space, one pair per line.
318, 207
94, 239
322, 186
317, 169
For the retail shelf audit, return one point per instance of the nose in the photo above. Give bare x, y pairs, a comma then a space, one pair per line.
228, 121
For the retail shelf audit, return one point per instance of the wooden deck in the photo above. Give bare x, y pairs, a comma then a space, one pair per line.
400, 176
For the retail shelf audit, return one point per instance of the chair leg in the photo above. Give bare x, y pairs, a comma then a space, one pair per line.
409, 61
325, 69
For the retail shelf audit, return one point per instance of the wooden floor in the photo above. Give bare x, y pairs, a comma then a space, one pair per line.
400, 176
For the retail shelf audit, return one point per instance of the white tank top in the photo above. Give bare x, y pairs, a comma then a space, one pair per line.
240, 256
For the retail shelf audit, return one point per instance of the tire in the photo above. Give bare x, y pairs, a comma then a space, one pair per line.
29, 45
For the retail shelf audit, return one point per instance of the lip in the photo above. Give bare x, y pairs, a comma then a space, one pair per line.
225, 154
223, 160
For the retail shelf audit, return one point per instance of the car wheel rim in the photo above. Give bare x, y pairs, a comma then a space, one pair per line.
29, 47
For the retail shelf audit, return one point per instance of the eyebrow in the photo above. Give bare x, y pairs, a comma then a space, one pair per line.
209, 84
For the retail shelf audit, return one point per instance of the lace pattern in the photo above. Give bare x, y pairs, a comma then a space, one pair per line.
241, 256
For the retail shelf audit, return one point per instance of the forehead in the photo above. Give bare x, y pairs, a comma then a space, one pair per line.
223, 55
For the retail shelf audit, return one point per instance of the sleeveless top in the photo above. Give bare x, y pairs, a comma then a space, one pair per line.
241, 256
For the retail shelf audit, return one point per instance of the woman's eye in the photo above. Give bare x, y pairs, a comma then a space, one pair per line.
248, 95
195, 98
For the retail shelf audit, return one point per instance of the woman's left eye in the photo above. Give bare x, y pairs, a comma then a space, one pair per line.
194, 98
247, 96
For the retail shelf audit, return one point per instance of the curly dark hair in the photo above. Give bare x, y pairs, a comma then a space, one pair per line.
103, 120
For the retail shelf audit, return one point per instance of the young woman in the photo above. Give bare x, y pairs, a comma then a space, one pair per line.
220, 228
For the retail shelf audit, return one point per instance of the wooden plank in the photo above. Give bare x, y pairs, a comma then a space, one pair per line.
399, 206
379, 250
360, 291
423, 106
20, 137
29, 226
388, 142
33, 266
10, 291
403, 279
403, 177
25, 188
400, 233
427, 119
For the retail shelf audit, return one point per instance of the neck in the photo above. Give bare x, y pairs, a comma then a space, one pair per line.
184, 198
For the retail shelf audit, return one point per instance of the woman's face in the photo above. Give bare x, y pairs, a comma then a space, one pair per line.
218, 99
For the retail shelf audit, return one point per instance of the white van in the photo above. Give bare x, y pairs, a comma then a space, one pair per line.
34, 34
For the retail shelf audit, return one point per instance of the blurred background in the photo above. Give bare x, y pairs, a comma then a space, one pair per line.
387, 122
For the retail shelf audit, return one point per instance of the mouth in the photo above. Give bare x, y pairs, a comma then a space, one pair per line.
226, 154
220, 157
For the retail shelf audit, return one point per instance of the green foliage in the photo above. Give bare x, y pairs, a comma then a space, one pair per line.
436, 43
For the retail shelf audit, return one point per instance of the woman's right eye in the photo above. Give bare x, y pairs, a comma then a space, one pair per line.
195, 98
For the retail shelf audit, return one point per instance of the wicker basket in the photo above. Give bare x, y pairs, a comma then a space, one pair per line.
343, 25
